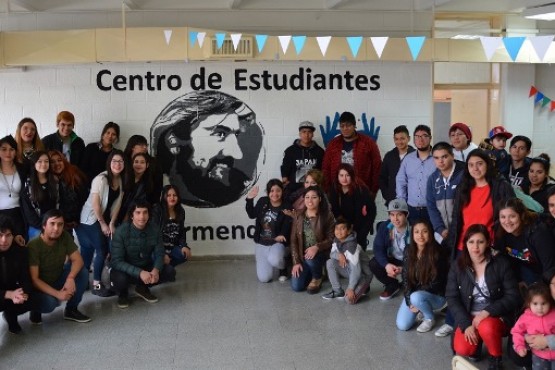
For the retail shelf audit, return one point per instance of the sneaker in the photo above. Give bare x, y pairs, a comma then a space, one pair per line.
314, 286
444, 330
426, 326
73, 314
340, 294
35, 317
361, 290
282, 276
13, 325
143, 292
387, 294
495, 363
123, 302
101, 291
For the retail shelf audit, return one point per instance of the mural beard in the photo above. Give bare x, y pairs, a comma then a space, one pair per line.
209, 145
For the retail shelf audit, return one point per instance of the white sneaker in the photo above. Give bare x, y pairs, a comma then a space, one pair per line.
444, 330
426, 326
282, 279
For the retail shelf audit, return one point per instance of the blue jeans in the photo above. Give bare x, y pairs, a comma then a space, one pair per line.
425, 302
312, 269
176, 256
47, 303
91, 239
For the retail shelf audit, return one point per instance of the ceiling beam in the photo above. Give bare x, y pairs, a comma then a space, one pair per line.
22, 4
332, 4
234, 4
131, 5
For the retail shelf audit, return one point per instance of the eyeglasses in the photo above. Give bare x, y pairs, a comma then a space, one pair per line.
422, 136
117, 161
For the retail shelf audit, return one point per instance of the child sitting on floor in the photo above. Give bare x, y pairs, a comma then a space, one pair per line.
349, 260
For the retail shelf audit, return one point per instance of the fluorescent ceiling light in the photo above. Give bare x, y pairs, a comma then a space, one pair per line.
544, 13
465, 37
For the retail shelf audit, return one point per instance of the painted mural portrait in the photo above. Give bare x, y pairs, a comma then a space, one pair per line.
209, 145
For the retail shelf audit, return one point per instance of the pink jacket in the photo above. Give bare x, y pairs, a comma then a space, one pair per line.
528, 323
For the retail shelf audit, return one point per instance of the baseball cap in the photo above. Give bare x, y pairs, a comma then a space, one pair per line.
499, 130
399, 205
306, 124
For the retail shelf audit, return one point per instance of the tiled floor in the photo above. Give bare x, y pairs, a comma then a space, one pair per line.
217, 316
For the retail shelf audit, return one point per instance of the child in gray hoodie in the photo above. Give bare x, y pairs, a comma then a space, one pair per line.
348, 260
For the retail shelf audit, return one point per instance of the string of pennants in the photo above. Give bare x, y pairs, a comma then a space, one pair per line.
540, 97
490, 44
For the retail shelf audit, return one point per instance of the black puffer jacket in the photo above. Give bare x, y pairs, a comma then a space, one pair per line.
505, 299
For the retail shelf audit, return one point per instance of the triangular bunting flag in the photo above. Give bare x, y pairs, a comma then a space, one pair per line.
541, 44
513, 45
533, 91
284, 42
323, 43
490, 44
379, 44
192, 38
168, 36
354, 43
261, 41
539, 96
235, 38
415, 45
552, 106
545, 101
200, 38
220, 36
299, 41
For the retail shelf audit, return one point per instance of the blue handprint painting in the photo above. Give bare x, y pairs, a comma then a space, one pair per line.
331, 129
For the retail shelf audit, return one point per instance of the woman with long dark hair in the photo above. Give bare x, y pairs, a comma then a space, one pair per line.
425, 267
73, 192
539, 181
170, 216
40, 193
96, 154
350, 198
98, 218
483, 296
312, 233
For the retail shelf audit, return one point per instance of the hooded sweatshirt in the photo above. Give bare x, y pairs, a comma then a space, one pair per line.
356, 257
298, 160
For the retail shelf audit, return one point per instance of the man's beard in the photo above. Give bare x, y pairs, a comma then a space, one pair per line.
219, 183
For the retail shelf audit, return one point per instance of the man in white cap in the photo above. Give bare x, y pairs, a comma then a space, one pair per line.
303, 155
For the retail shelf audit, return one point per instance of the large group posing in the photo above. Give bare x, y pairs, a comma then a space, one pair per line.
469, 232
469, 228
126, 222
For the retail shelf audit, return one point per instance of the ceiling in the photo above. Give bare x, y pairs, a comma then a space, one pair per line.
308, 17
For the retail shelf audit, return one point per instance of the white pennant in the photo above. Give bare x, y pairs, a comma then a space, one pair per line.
168, 36
200, 38
284, 42
235, 38
541, 44
379, 44
490, 44
323, 43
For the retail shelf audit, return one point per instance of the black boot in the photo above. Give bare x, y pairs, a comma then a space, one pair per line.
495, 363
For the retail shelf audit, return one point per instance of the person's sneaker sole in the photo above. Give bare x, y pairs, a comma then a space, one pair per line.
71, 318
443, 332
147, 299
123, 306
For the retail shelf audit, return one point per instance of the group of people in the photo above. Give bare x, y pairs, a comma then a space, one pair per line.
469, 232
112, 200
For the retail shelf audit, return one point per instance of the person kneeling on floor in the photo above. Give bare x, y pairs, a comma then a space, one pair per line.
138, 256
54, 279
349, 260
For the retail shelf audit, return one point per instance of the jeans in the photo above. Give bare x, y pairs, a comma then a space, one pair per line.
176, 256
91, 239
418, 213
267, 258
120, 280
426, 303
312, 269
47, 303
390, 284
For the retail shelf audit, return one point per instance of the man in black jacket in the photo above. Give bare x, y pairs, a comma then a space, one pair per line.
15, 282
65, 140
303, 155
392, 162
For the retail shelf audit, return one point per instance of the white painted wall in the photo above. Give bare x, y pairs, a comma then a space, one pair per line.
405, 97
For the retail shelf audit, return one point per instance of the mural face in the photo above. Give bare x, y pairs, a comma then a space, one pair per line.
209, 145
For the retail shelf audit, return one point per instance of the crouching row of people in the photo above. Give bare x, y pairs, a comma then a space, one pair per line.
50, 271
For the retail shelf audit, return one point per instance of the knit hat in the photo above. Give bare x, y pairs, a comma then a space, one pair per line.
399, 205
499, 130
10, 141
306, 124
464, 128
